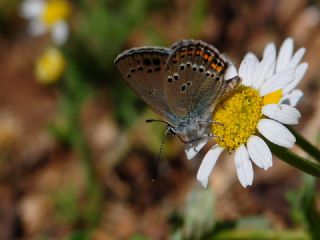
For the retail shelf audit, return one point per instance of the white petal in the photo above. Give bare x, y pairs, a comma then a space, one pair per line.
207, 164
60, 32
231, 72
283, 113
243, 69
300, 71
292, 98
269, 49
264, 69
259, 152
277, 81
277, 133
243, 166
193, 150
32, 8
296, 58
36, 28
285, 54
247, 68
251, 55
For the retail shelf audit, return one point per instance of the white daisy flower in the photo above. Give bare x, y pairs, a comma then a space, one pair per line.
258, 107
287, 60
47, 16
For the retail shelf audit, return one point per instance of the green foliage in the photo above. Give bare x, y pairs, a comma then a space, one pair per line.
139, 237
66, 205
8, 11
102, 31
303, 210
75, 91
79, 235
198, 14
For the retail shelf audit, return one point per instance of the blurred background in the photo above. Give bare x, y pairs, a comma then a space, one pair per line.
76, 156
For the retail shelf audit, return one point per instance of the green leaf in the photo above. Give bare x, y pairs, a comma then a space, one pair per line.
294, 160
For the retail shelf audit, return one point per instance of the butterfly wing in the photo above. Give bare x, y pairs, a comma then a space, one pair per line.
143, 70
194, 78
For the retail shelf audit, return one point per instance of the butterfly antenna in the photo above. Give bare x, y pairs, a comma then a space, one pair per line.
156, 163
155, 120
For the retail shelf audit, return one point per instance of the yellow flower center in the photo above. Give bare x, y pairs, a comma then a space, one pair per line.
237, 117
55, 11
50, 66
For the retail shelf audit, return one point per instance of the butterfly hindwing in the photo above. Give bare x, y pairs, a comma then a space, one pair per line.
194, 77
143, 70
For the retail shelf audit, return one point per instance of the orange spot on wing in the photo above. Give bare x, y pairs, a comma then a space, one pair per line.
219, 68
216, 67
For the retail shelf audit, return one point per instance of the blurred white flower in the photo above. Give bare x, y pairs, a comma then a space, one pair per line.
47, 16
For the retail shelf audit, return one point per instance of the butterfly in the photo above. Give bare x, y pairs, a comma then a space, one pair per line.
182, 84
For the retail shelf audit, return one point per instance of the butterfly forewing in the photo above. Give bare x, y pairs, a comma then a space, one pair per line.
143, 70
194, 77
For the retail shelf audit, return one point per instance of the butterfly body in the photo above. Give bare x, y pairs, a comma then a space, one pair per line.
182, 83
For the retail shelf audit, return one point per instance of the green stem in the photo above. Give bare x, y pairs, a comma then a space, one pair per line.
261, 234
92, 211
305, 145
294, 160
